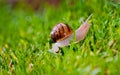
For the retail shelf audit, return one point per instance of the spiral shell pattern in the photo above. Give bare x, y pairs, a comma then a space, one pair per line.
60, 32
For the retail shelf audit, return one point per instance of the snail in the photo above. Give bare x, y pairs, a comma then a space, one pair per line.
62, 35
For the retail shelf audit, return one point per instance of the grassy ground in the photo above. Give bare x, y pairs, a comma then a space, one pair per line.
25, 39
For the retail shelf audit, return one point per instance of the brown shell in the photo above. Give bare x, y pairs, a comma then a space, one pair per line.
60, 32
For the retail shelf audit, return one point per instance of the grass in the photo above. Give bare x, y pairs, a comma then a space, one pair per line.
25, 39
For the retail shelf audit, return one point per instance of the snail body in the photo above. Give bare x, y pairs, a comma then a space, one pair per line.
62, 35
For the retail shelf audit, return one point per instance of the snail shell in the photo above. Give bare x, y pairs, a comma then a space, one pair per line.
60, 32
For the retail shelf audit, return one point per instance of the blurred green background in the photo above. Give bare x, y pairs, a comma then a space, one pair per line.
25, 28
